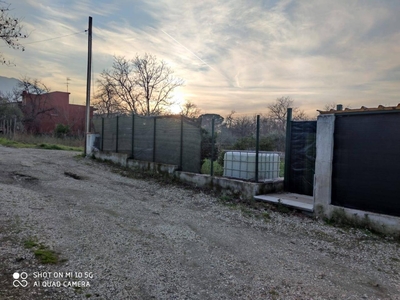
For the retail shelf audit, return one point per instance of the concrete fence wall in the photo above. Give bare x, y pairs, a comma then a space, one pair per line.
244, 189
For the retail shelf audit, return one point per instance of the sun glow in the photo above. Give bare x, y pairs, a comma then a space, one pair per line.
178, 100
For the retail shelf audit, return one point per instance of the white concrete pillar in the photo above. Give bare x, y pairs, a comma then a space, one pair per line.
323, 163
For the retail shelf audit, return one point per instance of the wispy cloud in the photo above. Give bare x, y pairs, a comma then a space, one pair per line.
232, 54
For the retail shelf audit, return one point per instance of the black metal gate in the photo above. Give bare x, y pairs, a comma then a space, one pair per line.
366, 164
300, 157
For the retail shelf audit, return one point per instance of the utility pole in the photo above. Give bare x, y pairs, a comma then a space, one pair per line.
89, 72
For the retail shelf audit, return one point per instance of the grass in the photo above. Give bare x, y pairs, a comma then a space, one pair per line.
45, 255
30, 243
42, 252
75, 142
10, 143
39, 142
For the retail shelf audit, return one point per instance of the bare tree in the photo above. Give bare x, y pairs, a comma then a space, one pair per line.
243, 126
157, 83
10, 30
190, 110
34, 102
105, 100
121, 81
278, 111
144, 85
229, 119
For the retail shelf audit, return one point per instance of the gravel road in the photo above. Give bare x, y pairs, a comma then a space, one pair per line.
124, 238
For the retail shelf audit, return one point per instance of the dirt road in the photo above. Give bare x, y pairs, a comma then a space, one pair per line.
124, 238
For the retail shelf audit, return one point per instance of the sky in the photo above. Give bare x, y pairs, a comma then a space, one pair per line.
232, 54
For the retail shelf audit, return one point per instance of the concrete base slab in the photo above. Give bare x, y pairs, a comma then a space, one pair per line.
302, 202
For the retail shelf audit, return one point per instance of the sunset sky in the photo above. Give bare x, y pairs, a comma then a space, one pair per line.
233, 54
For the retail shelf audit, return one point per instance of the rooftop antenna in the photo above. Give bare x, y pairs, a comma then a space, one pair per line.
68, 79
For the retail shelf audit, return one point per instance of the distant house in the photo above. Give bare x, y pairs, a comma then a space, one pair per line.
42, 113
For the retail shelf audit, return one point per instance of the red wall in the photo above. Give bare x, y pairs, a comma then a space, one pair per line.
44, 112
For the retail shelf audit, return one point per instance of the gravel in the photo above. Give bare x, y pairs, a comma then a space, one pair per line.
127, 238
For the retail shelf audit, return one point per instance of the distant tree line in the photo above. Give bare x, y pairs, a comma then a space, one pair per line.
239, 132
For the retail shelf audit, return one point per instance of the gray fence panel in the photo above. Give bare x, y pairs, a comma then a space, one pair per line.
125, 134
191, 156
173, 140
110, 134
96, 122
168, 140
143, 138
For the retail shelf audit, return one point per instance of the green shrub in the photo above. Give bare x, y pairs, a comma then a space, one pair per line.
61, 130
206, 168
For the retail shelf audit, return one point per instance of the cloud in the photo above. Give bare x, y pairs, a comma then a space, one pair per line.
232, 54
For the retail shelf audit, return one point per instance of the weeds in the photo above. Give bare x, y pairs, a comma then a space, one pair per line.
274, 293
250, 209
29, 244
45, 255
266, 216
282, 208
81, 155
228, 201
206, 168
14, 144
395, 259
38, 142
42, 252
58, 147
340, 219
75, 142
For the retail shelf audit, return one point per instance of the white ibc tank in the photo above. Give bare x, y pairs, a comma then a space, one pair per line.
242, 165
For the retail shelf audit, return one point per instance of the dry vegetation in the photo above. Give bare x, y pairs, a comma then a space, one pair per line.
20, 140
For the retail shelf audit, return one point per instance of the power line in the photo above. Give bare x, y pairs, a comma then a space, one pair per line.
59, 37
50, 39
